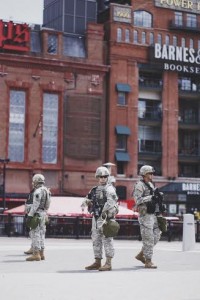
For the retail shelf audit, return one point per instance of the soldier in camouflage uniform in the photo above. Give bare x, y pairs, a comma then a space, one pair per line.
41, 197
28, 204
102, 203
145, 202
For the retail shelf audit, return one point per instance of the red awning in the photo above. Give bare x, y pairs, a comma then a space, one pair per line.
71, 207
13, 200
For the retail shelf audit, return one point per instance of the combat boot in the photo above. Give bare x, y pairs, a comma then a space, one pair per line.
95, 266
42, 254
140, 256
149, 264
107, 266
34, 257
30, 251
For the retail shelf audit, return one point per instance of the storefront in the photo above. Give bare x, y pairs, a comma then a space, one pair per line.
182, 197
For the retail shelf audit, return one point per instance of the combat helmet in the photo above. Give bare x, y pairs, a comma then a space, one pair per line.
146, 169
111, 228
102, 171
38, 178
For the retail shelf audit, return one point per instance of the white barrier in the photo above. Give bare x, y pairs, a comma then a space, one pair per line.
188, 232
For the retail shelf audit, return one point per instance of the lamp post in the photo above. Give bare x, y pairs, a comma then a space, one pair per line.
4, 161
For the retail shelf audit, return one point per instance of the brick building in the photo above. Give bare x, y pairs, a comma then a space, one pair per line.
52, 108
153, 92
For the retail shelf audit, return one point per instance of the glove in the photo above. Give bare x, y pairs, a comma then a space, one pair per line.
104, 215
155, 199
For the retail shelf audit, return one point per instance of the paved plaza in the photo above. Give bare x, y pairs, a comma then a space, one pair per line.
62, 275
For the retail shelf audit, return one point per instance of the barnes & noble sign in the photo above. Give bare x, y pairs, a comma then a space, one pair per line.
174, 58
192, 6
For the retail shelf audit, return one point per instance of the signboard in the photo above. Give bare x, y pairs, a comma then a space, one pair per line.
175, 58
191, 6
14, 36
122, 14
191, 188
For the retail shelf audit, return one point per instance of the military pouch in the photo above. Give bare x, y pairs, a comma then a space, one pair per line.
162, 223
33, 222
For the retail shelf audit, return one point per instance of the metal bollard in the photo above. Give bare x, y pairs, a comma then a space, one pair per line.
188, 232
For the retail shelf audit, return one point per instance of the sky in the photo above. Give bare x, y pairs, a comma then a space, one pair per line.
23, 11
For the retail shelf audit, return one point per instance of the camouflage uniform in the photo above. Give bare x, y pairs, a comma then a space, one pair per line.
102, 203
28, 204
148, 222
110, 207
40, 206
40, 198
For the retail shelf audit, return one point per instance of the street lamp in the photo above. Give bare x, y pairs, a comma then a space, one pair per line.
4, 161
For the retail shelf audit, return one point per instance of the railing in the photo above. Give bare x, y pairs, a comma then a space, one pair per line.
80, 227
150, 83
150, 114
185, 26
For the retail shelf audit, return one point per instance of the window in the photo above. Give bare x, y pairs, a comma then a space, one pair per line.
189, 170
174, 40
188, 141
135, 37
77, 14
178, 18
151, 38
183, 42
191, 43
74, 46
50, 128
121, 98
121, 142
198, 44
143, 37
160, 39
120, 167
35, 41
149, 109
191, 20
52, 44
16, 126
167, 40
142, 19
127, 36
185, 84
119, 35
149, 139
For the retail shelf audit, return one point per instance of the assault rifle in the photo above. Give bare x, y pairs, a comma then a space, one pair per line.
96, 205
158, 197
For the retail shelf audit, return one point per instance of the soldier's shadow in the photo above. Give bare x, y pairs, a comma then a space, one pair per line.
15, 260
100, 272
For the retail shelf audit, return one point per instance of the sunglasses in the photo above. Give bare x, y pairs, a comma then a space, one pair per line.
103, 176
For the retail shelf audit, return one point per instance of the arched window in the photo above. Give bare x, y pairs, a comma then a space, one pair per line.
174, 40
191, 43
142, 19
127, 36
119, 35
143, 37
135, 37
167, 40
151, 38
159, 39
182, 42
